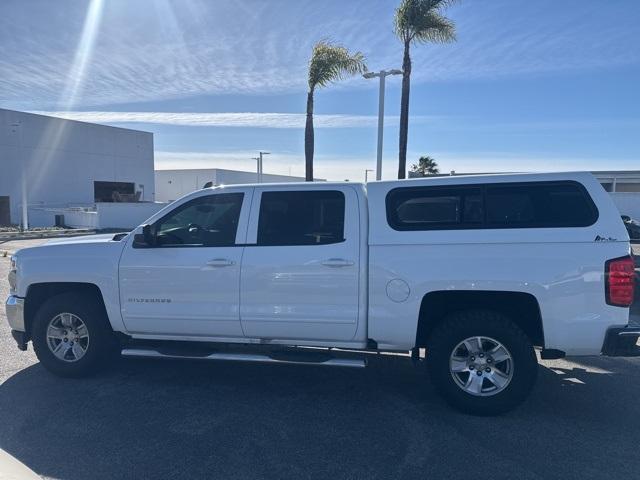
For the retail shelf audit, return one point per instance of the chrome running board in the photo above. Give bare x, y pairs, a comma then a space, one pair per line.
245, 357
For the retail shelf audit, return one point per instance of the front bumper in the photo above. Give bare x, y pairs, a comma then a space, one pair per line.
622, 342
15, 313
21, 339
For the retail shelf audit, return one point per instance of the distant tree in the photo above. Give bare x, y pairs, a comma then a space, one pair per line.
328, 63
426, 166
417, 21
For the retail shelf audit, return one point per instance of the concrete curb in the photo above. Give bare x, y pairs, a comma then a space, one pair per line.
8, 237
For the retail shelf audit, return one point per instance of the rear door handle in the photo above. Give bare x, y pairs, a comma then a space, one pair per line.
220, 262
337, 262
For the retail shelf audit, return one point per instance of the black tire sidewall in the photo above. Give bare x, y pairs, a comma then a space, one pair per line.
457, 328
92, 314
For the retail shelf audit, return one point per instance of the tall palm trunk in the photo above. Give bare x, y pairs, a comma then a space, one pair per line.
308, 139
404, 112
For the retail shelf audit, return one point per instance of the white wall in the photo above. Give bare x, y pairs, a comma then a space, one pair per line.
125, 215
75, 218
173, 184
231, 177
627, 203
62, 158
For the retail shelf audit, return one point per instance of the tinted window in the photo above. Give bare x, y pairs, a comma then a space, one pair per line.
426, 208
210, 221
504, 205
301, 218
545, 204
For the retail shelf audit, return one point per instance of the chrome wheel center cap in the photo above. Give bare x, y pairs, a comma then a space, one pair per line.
67, 337
481, 366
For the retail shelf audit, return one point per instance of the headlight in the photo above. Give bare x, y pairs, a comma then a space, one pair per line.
13, 276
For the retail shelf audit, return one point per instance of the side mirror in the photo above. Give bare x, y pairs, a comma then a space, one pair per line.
149, 237
145, 239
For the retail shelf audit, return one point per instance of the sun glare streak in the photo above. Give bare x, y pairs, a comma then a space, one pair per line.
83, 54
38, 161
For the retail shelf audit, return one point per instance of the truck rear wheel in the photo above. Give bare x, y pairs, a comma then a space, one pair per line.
71, 335
481, 362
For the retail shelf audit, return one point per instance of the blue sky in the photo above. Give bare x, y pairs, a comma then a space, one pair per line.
528, 86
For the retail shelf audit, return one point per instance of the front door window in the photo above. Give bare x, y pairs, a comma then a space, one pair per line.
210, 221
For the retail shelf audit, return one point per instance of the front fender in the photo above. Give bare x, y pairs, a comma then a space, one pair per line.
95, 264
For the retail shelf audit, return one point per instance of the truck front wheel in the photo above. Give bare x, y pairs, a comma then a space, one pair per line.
481, 362
71, 335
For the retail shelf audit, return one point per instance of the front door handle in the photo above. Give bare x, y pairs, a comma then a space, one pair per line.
337, 262
220, 262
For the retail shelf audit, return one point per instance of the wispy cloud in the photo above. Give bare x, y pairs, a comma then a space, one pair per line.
232, 119
254, 47
297, 121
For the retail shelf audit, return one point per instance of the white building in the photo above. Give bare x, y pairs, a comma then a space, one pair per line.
62, 167
622, 185
619, 181
624, 188
173, 184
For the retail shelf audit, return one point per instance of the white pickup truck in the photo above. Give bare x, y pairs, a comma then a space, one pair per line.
476, 270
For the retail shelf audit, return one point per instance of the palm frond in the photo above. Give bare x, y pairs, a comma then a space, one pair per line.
436, 28
422, 21
331, 62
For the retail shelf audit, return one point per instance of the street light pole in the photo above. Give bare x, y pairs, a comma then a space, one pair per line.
23, 177
382, 74
260, 165
366, 174
257, 159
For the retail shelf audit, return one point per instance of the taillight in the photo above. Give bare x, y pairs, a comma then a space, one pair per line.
619, 281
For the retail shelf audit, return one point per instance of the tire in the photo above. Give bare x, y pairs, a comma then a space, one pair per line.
503, 383
48, 330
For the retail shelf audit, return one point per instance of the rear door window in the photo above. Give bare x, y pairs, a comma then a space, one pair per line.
312, 217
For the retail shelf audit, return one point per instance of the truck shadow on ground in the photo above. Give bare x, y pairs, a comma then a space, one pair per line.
174, 419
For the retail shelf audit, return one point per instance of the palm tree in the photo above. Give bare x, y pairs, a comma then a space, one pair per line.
417, 21
328, 63
426, 166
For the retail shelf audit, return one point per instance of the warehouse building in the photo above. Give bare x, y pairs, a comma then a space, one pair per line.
60, 168
624, 188
173, 184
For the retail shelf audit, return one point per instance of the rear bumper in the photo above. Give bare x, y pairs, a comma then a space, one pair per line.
621, 342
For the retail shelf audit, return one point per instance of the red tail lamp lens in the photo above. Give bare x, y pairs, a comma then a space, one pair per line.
620, 279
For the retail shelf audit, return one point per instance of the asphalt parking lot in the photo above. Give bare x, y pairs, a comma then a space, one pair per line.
189, 420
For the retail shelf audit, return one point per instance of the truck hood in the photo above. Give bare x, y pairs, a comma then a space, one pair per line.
84, 239
91, 259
